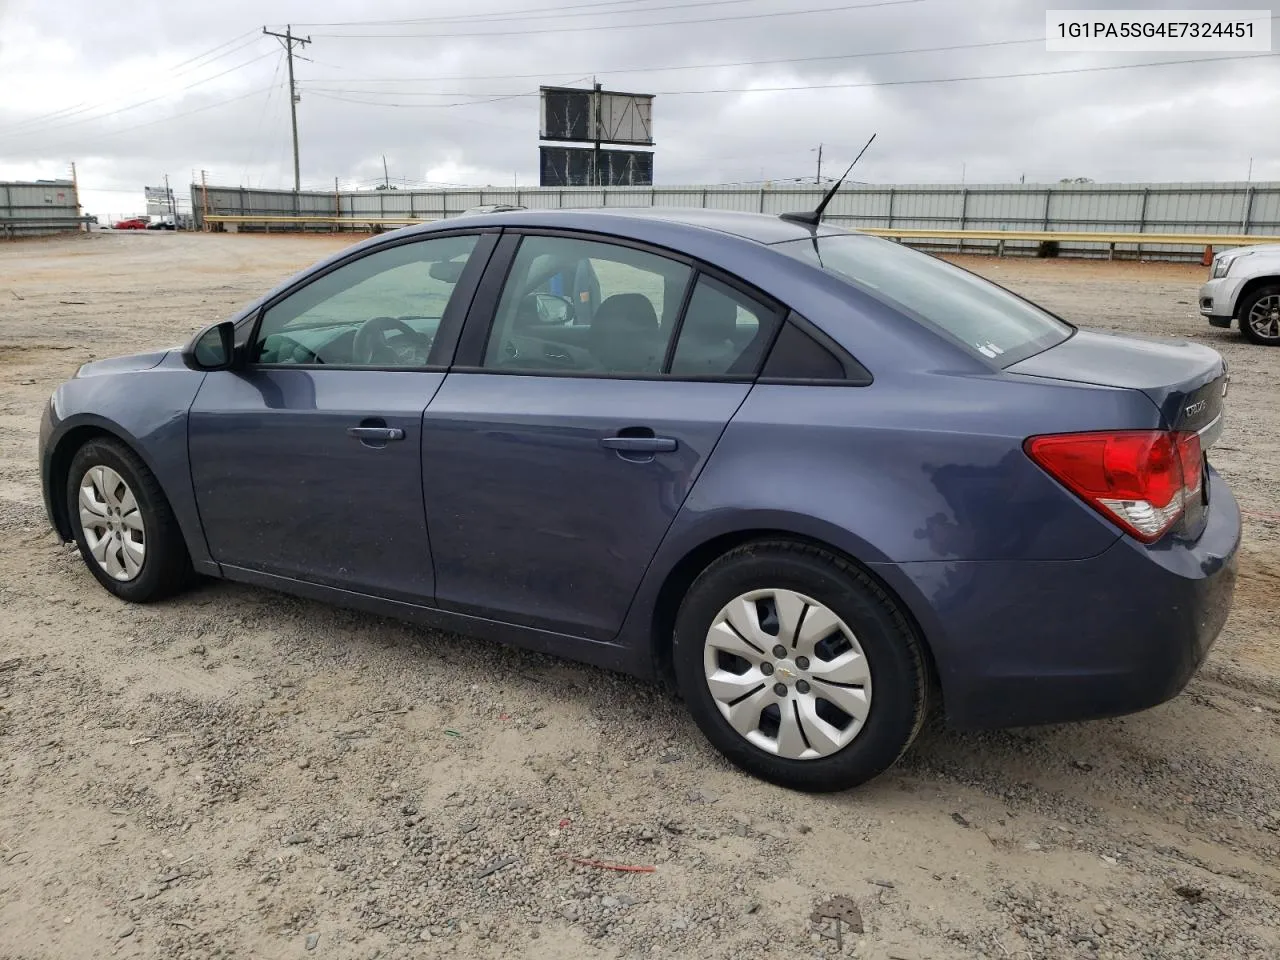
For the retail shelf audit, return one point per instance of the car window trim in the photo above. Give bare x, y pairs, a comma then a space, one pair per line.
352, 256
474, 341
474, 338
451, 323
686, 297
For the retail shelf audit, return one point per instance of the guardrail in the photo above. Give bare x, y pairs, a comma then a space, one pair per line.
1000, 237
1207, 240
302, 220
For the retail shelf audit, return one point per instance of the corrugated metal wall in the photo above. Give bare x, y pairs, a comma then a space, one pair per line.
1252, 208
36, 208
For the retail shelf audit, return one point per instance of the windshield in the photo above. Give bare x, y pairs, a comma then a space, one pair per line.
984, 317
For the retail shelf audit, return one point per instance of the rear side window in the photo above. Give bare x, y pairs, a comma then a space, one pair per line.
986, 318
797, 356
724, 333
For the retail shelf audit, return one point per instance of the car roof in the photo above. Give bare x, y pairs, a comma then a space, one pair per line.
760, 227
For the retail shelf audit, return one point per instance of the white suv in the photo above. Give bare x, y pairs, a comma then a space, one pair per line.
1244, 284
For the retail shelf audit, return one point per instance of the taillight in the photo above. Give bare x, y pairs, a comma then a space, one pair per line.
1138, 479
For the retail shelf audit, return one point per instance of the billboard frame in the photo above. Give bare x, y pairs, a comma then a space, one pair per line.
612, 117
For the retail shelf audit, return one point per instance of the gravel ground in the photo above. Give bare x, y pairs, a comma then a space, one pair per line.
236, 773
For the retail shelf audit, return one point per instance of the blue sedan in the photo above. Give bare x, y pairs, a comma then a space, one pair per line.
821, 482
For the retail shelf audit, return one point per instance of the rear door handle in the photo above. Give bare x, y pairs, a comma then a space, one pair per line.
375, 434
640, 444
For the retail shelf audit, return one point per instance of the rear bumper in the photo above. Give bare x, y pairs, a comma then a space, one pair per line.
1023, 643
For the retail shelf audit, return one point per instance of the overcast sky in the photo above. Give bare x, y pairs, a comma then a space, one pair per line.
136, 89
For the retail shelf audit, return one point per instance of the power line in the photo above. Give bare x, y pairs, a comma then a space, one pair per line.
695, 66
175, 116
862, 84
463, 103
201, 56
996, 76
620, 26
266, 109
406, 93
176, 72
539, 13
141, 103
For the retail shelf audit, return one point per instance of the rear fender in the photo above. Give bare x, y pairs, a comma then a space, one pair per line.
916, 467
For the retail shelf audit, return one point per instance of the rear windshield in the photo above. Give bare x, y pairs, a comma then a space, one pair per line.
984, 317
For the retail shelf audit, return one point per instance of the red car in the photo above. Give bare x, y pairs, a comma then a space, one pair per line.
133, 223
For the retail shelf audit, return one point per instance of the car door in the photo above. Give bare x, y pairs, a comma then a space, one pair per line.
306, 459
557, 452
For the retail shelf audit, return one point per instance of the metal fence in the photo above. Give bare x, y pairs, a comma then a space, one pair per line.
38, 207
1192, 208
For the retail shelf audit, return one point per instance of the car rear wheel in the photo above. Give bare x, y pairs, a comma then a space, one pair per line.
798, 667
1260, 316
123, 524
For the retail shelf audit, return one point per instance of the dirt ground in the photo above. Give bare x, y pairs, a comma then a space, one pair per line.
236, 773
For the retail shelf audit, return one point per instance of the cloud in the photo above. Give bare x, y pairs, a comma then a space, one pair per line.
116, 88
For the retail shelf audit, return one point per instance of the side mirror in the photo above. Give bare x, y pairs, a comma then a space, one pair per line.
554, 309
450, 271
213, 348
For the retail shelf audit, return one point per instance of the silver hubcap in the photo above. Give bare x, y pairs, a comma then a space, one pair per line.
788, 674
112, 523
1264, 318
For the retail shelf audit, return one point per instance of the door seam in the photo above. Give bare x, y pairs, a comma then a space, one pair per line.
644, 575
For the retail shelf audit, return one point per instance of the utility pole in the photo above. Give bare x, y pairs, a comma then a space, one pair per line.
204, 200
819, 180
82, 227
173, 210
596, 123
288, 39
386, 177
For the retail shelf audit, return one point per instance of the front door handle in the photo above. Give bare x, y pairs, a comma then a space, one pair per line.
639, 444
375, 434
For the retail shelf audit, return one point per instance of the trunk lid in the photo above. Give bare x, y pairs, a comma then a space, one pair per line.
1186, 381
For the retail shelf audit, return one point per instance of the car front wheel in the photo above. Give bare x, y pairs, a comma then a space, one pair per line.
799, 667
123, 524
1260, 316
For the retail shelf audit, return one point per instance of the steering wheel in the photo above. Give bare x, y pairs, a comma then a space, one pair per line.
370, 344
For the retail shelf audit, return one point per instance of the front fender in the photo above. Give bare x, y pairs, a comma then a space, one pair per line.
144, 409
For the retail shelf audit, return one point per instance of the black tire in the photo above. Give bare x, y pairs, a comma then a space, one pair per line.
166, 565
1270, 290
900, 675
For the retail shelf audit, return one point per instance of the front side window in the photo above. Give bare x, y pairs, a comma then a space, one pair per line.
986, 318
586, 306
380, 310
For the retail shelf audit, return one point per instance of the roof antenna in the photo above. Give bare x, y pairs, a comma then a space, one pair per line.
814, 218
